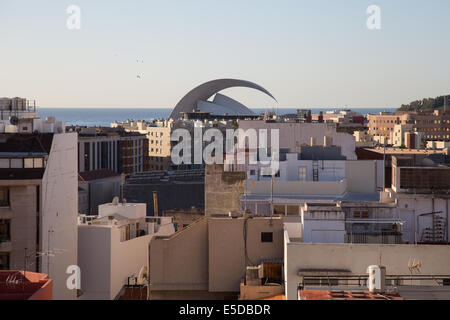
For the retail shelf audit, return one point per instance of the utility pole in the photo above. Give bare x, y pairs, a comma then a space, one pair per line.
271, 199
384, 165
245, 195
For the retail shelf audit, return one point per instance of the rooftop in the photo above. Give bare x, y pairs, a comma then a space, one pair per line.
28, 143
97, 175
14, 285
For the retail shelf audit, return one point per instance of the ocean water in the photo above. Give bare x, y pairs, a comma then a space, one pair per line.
106, 116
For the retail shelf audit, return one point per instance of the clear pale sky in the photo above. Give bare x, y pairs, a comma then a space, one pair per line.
306, 53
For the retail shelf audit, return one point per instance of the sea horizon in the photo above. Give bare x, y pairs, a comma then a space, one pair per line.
96, 116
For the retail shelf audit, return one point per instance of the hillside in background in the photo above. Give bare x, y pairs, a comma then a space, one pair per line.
427, 104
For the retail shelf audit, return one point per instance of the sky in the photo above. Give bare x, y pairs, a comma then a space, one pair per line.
306, 53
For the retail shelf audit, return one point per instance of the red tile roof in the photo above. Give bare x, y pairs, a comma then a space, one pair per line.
33, 286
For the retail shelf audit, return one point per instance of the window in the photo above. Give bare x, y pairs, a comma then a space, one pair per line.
4, 163
266, 237
302, 173
16, 163
4, 197
28, 163
279, 209
4, 261
293, 210
252, 172
5, 231
360, 214
38, 162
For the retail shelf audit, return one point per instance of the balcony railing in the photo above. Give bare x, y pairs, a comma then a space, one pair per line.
374, 238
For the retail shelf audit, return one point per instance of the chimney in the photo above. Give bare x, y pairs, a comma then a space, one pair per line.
320, 117
155, 204
327, 141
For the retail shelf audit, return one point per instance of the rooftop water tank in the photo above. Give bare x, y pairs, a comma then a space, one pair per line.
377, 278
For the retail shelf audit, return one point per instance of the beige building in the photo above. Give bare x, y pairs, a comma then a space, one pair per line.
209, 258
383, 125
113, 248
434, 125
158, 135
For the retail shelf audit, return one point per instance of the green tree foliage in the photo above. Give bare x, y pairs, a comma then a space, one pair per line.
427, 104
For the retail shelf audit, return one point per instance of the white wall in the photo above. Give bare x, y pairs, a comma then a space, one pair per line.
323, 227
106, 262
296, 134
127, 259
435, 259
60, 212
94, 260
409, 207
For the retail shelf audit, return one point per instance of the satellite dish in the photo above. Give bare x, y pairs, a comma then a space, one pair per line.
14, 120
143, 276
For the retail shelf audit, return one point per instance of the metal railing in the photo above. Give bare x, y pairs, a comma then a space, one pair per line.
361, 280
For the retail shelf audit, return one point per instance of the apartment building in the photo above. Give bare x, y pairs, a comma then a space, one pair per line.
344, 118
294, 135
19, 108
112, 149
113, 248
433, 125
38, 199
209, 258
383, 124
158, 134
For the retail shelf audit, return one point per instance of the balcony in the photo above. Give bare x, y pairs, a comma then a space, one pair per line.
374, 238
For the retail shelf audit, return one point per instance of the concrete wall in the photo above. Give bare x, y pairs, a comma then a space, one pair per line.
180, 263
94, 260
222, 190
363, 176
127, 259
435, 259
60, 212
227, 262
